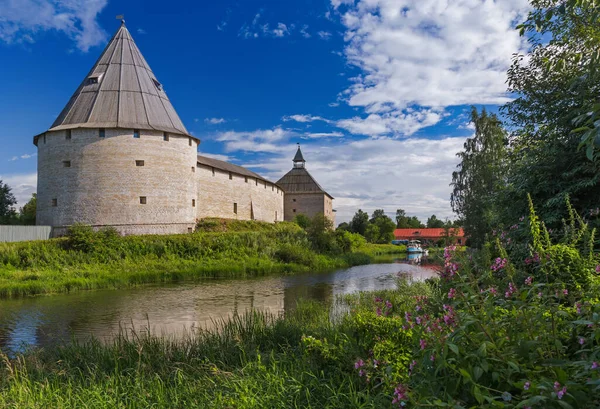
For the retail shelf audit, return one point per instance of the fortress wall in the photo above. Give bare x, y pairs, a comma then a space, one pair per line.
103, 185
308, 204
256, 199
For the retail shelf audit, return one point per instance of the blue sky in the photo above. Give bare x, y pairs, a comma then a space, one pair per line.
376, 91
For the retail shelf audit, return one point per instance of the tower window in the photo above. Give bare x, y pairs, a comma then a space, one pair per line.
272, 188
294, 210
293, 200
44, 138
66, 163
265, 185
102, 132
193, 202
213, 171
136, 133
92, 80
165, 137
54, 202
275, 215
139, 163
142, 199
190, 229
193, 169
256, 180
68, 135
190, 141
246, 179
235, 208
157, 84
230, 176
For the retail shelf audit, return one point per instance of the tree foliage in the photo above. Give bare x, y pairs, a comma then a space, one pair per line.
480, 176
405, 222
557, 110
359, 222
27, 213
434, 223
7, 202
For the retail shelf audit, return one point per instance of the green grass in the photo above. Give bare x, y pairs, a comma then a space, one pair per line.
255, 360
101, 260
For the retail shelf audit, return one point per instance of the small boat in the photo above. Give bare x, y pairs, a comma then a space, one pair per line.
414, 246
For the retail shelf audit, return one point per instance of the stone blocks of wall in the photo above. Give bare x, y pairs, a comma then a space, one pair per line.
96, 180
308, 204
255, 198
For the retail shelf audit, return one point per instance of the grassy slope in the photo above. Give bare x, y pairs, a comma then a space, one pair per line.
219, 249
253, 361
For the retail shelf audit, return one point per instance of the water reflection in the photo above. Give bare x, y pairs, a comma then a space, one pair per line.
176, 309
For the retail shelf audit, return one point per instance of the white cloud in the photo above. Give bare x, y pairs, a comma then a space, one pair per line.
411, 174
262, 140
325, 35
22, 186
141, 31
214, 121
281, 30
334, 104
217, 156
303, 118
391, 123
321, 135
24, 156
304, 31
21, 20
420, 56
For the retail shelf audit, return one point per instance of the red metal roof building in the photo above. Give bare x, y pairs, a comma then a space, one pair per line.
430, 234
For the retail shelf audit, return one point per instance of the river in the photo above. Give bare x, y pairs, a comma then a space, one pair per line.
176, 310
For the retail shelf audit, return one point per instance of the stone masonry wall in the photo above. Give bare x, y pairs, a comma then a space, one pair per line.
308, 204
255, 199
103, 184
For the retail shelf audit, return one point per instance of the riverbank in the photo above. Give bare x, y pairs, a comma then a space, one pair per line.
89, 260
253, 361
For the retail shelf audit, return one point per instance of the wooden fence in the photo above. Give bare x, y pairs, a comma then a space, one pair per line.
24, 233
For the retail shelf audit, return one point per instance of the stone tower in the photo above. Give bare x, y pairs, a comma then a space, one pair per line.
118, 154
303, 195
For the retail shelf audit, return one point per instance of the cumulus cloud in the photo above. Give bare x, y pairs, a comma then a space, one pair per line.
22, 186
418, 57
214, 121
141, 31
304, 31
22, 20
411, 174
262, 140
321, 135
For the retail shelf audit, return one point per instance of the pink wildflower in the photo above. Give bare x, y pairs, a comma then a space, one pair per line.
561, 392
378, 299
378, 311
581, 341
598, 268
422, 343
388, 305
566, 292
400, 394
361, 373
527, 385
595, 365
359, 364
432, 358
510, 291
529, 280
452, 293
493, 291
578, 306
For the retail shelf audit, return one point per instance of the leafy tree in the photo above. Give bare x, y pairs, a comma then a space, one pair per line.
384, 232
344, 226
480, 176
7, 202
359, 222
320, 232
372, 233
27, 213
302, 220
405, 222
434, 223
557, 84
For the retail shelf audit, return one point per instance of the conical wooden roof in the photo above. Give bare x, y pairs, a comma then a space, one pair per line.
121, 91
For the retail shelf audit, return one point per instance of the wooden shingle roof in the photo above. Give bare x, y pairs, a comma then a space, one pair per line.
230, 167
298, 180
121, 91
